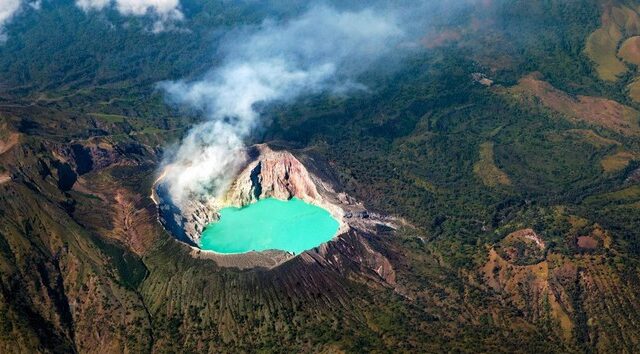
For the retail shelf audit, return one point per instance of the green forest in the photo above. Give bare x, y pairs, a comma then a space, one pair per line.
549, 144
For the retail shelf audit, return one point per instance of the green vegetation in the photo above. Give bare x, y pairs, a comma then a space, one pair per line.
110, 118
463, 165
487, 170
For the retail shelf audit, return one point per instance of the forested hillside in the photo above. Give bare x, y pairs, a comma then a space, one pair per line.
507, 145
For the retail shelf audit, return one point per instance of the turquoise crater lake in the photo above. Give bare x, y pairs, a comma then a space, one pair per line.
293, 226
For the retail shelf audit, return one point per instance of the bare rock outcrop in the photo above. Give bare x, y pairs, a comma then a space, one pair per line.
197, 214
273, 174
188, 221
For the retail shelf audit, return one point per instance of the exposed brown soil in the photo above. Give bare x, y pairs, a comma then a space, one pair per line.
587, 242
9, 142
530, 288
522, 247
630, 50
634, 90
131, 219
594, 110
132, 224
617, 21
617, 161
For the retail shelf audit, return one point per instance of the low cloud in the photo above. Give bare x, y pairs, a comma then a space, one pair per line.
323, 50
9, 9
165, 12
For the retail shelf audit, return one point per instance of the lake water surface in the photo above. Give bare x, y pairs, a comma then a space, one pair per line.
293, 226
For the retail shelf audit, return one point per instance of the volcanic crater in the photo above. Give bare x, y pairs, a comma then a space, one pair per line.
270, 173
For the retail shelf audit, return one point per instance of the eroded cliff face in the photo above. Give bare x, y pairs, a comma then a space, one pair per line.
186, 221
273, 174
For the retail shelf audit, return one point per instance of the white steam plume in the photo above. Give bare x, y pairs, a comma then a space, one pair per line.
322, 50
163, 11
9, 9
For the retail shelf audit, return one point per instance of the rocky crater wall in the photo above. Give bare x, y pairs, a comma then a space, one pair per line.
266, 174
